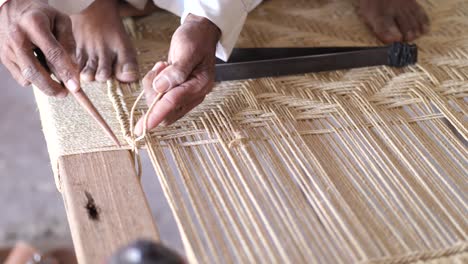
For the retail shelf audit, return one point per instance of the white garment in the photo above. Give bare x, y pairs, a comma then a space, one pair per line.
228, 15
2, 2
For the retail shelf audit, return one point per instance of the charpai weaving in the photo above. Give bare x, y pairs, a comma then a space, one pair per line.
362, 165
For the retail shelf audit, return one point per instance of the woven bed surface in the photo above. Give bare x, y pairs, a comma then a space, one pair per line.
357, 165
345, 166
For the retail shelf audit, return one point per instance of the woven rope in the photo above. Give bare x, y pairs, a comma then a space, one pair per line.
363, 165
349, 166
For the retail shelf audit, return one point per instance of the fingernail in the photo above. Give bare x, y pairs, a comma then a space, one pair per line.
161, 84
129, 68
73, 86
157, 65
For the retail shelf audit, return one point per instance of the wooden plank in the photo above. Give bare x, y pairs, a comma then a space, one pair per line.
105, 203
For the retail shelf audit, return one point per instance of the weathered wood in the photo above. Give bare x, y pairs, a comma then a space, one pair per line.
105, 203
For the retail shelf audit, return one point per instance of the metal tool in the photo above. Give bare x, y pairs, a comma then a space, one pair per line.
83, 99
246, 63
146, 252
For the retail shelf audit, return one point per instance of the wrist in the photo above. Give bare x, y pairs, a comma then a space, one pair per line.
205, 24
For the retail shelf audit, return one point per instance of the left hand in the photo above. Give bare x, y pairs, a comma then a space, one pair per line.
187, 77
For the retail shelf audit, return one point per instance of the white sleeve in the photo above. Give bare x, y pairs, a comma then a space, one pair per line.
70, 6
76, 6
228, 15
2, 2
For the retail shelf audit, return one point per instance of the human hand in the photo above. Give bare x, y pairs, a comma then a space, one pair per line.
188, 76
29, 24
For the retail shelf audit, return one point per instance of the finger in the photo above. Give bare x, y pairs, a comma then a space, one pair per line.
182, 111
33, 72
64, 34
385, 28
150, 93
15, 72
414, 24
423, 19
104, 70
161, 110
176, 97
170, 77
89, 71
7, 58
38, 29
404, 23
30, 68
81, 58
126, 67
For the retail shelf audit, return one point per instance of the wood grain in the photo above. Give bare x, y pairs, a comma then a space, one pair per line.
105, 203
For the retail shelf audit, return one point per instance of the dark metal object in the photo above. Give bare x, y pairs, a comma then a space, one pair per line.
246, 63
146, 252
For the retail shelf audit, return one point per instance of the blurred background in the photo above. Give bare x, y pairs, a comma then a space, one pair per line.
31, 208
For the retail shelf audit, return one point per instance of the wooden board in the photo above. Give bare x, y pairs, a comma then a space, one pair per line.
105, 203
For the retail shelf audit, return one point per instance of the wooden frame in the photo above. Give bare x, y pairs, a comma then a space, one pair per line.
95, 188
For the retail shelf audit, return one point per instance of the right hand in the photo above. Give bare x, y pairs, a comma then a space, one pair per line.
29, 24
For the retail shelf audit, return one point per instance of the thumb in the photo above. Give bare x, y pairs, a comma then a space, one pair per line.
171, 77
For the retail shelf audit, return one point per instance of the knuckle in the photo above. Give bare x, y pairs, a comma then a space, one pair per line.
15, 34
66, 22
30, 73
179, 75
35, 18
66, 75
54, 54
70, 45
207, 78
170, 101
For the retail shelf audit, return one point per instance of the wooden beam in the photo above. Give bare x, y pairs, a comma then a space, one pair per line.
105, 203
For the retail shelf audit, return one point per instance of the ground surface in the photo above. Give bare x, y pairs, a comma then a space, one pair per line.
30, 207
